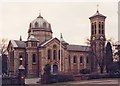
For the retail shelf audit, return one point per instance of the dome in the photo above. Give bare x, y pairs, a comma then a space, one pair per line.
40, 23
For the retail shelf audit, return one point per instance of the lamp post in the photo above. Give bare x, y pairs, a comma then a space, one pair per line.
21, 76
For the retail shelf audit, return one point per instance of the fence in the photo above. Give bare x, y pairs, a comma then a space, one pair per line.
14, 80
10, 80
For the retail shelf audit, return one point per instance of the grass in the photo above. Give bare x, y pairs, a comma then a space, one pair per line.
74, 85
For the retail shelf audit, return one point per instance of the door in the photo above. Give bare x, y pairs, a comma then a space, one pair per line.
55, 68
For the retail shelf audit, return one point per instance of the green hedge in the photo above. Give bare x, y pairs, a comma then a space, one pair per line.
65, 78
104, 76
61, 78
85, 71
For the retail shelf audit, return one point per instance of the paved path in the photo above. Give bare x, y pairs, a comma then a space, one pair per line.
97, 81
32, 80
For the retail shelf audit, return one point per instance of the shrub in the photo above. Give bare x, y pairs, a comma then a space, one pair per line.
85, 71
65, 78
93, 77
61, 78
53, 78
47, 69
45, 78
104, 76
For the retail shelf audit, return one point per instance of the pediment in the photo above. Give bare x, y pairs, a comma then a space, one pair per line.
53, 41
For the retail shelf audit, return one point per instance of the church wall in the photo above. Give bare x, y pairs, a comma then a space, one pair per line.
17, 54
32, 66
77, 66
66, 62
42, 60
44, 57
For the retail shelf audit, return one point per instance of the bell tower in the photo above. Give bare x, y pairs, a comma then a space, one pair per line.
97, 39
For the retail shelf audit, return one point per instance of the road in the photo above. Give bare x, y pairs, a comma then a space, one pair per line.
97, 82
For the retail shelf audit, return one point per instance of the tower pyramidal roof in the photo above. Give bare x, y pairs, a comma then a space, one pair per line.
97, 14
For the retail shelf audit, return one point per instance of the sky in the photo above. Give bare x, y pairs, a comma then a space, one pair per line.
69, 18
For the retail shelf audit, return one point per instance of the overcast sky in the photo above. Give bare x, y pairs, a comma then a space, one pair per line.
69, 18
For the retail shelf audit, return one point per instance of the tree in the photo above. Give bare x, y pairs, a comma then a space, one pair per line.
117, 47
4, 63
45, 79
88, 41
3, 50
108, 59
98, 58
47, 69
91, 54
3, 46
117, 53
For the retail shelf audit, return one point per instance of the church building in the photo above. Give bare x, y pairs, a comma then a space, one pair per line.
42, 48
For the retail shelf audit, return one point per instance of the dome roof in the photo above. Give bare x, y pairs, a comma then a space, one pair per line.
40, 23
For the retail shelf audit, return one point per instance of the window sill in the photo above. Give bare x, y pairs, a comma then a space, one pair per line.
34, 63
81, 63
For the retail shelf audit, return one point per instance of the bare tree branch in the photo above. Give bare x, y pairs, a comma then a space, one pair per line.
87, 41
3, 46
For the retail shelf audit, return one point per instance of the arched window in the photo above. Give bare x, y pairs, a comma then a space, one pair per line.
44, 24
36, 24
102, 28
34, 58
54, 54
49, 54
74, 59
92, 28
21, 59
95, 28
102, 31
81, 59
102, 25
59, 54
99, 27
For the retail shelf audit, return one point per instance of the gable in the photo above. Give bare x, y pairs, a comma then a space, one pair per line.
19, 44
51, 42
10, 46
15, 44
